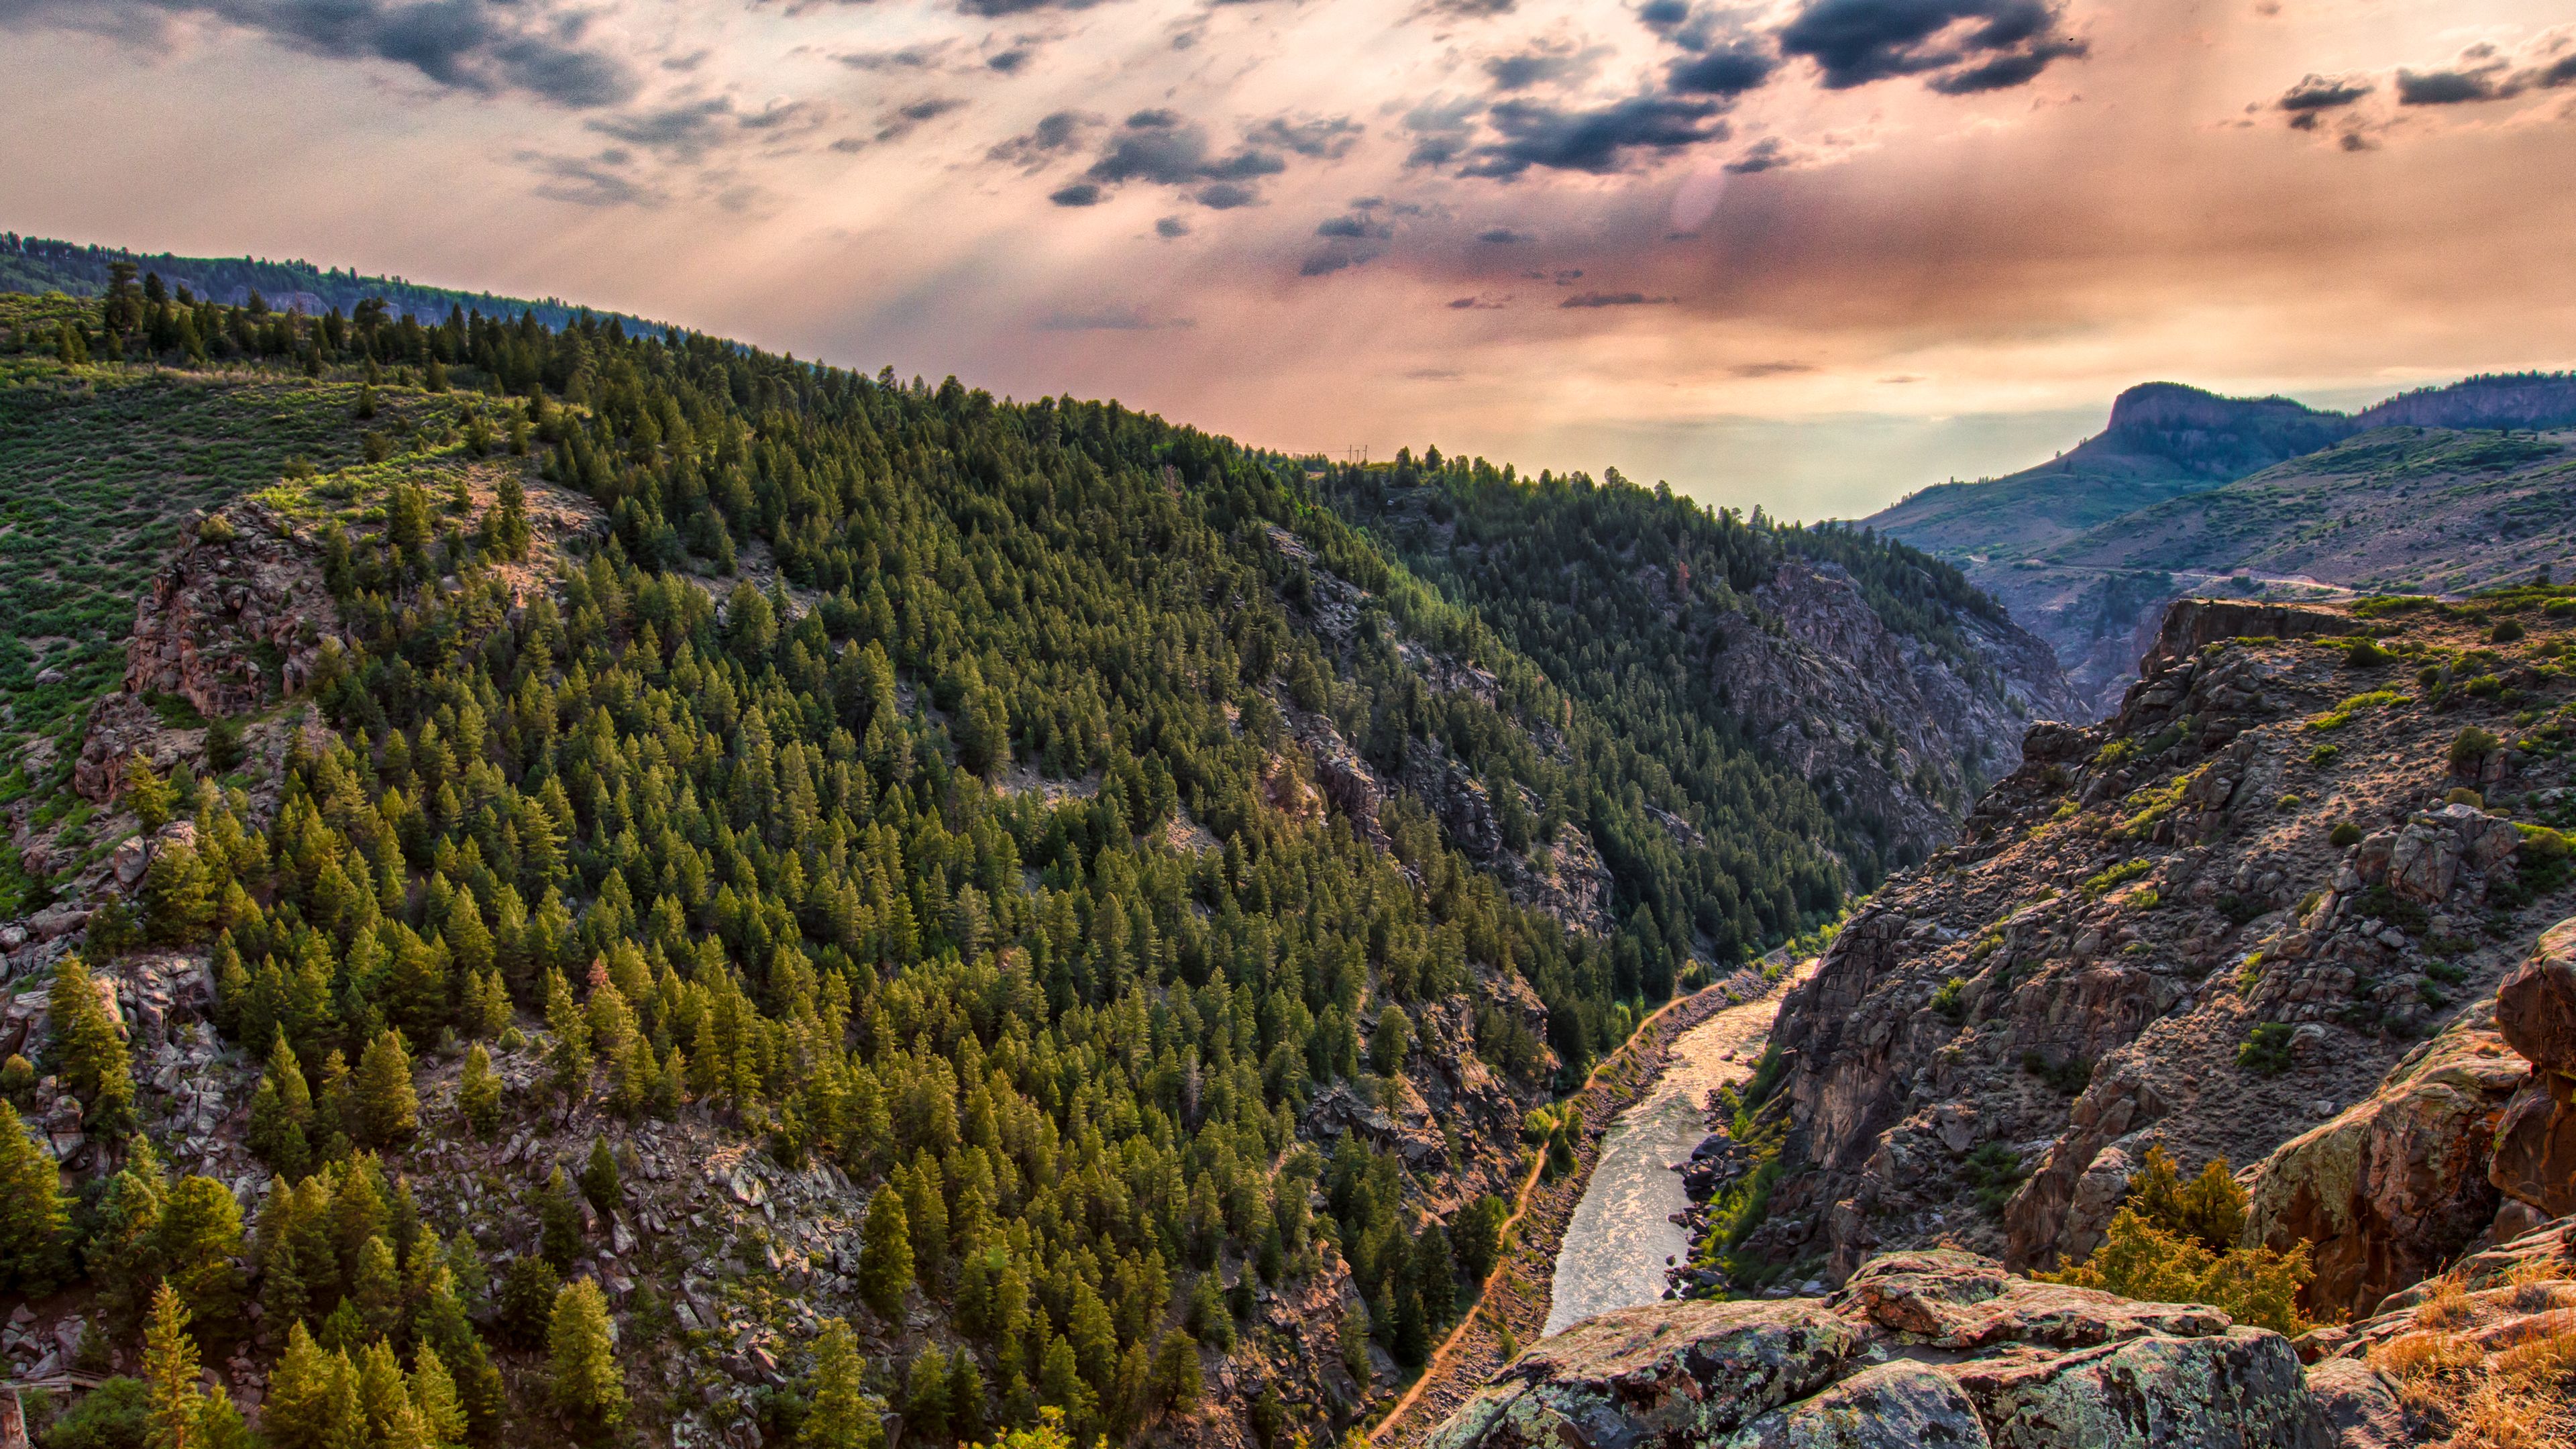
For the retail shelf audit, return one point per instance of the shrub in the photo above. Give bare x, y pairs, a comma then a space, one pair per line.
1995, 1171
2267, 1050
2258, 1287
2345, 833
2209, 1209
1951, 1000
2365, 654
2470, 748
2068, 1077
2506, 631
2324, 755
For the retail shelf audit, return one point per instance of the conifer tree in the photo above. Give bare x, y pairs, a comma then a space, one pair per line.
599, 1178
89, 1049
178, 898
388, 1107
434, 1395
34, 1246
170, 1372
312, 1398
478, 1092
200, 1233
124, 1246
146, 793
588, 1385
280, 1108
841, 1416
885, 1254
559, 1221
376, 1290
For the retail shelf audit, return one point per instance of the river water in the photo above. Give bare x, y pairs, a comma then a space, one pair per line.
1615, 1245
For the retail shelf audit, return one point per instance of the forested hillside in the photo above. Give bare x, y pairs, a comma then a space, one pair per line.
655, 883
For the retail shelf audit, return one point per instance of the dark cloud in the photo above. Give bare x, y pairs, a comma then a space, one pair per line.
1324, 264
1479, 304
910, 57
1080, 193
1435, 374
1963, 45
1442, 130
2448, 87
685, 132
483, 47
1466, 9
1226, 196
1545, 64
1767, 154
1355, 227
1051, 137
993, 9
1502, 236
1600, 140
596, 181
2315, 95
1009, 61
1171, 226
903, 120
1613, 299
1769, 369
1161, 147
1728, 70
1324, 137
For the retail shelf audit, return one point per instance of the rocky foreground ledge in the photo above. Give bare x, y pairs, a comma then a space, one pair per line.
1946, 1350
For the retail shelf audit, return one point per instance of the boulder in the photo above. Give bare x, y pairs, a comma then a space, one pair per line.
1900, 1405
1671, 1375
2243, 1386
2535, 1147
1946, 1299
2536, 1004
2394, 1186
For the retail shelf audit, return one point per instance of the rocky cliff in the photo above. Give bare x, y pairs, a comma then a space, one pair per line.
2209, 922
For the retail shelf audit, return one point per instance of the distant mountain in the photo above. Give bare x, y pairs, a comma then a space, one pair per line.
2442, 489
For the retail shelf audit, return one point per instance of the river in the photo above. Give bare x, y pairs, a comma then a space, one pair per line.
1613, 1252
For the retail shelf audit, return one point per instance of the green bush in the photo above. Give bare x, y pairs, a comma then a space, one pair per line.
2506, 631
2470, 748
2267, 1051
2344, 833
2365, 654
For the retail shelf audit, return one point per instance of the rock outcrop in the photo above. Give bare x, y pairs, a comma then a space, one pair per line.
1917, 1349
2156, 932
2471, 1139
235, 618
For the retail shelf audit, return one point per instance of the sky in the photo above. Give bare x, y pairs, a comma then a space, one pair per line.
1806, 254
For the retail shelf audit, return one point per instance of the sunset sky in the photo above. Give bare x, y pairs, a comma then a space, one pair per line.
1810, 254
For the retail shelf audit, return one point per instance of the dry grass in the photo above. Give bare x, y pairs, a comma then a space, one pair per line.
2495, 1417
2449, 1305
2419, 1356
2539, 1284
2546, 1359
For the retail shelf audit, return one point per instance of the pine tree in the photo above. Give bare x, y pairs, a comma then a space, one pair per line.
178, 898
312, 1398
478, 1092
433, 1393
199, 1236
219, 1425
376, 1290
280, 1109
384, 1396
388, 1107
885, 1254
599, 1178
841, 1416
170, 1371
34, 1246
925, 1397
89, 1048
146, 793
559, 1221
124, 1246
965, 1397
588, 1385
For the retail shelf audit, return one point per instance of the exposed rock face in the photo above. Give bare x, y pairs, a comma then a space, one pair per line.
199, 632
2191, 623
1863, 710
2466, 1139
1918, 1349
2397, 1185
2084, 975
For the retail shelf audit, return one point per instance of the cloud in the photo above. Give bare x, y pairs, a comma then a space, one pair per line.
1613, 299
1550, 63
1502, 236
1769, 369
994, 9
1324, 264
1226, 196
685, 132
1355, 226
2449, 87
2323, 93
1963, 45
1479, 303
589, 181
1009, 61
903, 120
1601, 140
1053, 135
1080, 193
1171, 226
1729, 70
1435, 374
1120, 317
481, 47
1768, 154
1318, 138
911, 57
